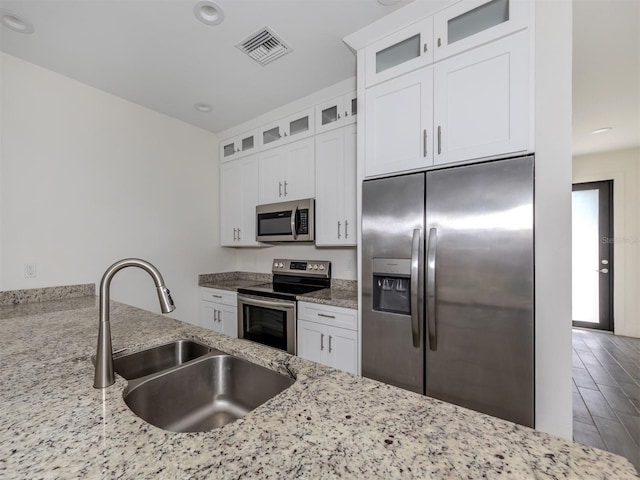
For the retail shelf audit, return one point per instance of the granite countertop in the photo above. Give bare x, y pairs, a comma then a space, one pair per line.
343, 293
327, 424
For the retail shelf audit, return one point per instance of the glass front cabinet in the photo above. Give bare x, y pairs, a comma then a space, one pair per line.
238, 146
290, 129
337, 112
400, 52
469, 24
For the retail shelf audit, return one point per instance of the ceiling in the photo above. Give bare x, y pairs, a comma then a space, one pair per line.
157, 54
606, 74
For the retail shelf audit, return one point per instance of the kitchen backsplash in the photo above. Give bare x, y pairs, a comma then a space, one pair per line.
16, 297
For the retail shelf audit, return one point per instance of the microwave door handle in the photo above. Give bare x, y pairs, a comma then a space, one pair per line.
294, 231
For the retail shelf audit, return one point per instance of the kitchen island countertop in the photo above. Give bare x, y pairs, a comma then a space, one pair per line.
328, 424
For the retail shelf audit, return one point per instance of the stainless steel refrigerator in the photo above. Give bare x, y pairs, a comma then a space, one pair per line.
447, 285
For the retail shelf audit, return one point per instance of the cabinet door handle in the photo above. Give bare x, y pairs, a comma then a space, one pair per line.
329, 343
424, 142
285, 188
279, 189
322, 341
285, 134
338, 229
424, 49
346, 114
239, 237
325, 315
439, 140
234, 234
215, 315
346, 226
339, 117
439, 42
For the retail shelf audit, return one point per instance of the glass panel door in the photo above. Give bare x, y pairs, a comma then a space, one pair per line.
399, 53
592, 255
481, 18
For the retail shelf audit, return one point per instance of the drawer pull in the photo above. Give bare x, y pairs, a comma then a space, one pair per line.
325, 315
216, 296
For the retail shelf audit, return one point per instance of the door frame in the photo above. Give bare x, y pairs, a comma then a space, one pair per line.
605, 204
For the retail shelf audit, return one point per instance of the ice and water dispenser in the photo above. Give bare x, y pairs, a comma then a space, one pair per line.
392, 285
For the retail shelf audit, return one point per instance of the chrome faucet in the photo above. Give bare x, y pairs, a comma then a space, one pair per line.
104, 356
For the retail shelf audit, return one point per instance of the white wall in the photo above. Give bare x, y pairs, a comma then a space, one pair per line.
623, 167
89, 178
553, 52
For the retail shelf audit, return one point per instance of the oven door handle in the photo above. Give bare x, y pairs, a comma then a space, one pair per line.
265, 303
294, 231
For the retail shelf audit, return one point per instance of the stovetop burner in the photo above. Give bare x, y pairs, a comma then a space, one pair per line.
293, 277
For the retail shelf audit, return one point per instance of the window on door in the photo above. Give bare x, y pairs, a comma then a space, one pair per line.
592, 246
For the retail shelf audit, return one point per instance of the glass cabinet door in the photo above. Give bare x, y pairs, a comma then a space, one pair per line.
401, 52
228, 149
271, 135
469, 24
247, 143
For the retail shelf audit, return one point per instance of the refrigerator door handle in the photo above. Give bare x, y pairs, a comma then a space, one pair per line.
415, 269
431, 289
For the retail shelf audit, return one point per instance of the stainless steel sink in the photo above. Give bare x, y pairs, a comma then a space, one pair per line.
204, 394
157, 359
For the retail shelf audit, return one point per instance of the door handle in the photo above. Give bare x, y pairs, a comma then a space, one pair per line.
431, 289
285, 188
279, 189
234, 234
346, 232
329, 343
239, 234
322, 341
415, 271
294, 232
215, 315
326, 316
338, 229
603, 270
439, 139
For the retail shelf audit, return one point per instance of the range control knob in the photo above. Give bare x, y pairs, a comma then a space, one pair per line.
315, 267
321, 267
281, 265
275, 264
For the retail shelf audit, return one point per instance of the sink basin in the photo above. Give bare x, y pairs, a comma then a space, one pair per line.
159, 358
204, 394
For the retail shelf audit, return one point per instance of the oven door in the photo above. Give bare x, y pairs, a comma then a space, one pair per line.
268, 321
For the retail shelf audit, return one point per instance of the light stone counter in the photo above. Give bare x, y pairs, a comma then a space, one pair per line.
329, 424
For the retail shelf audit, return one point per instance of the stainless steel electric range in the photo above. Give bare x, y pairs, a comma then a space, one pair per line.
267, 312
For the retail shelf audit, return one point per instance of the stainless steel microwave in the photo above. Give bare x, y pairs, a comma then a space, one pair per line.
286, 221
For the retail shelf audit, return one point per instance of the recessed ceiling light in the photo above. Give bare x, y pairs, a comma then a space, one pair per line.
602, 130
387, 3
15, 22
208, 12
203, 107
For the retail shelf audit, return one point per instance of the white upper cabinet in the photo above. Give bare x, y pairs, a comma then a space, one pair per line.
399, 124
336, 187
238, 200
400, 52
290, 129
337, 112
481, 102
239, 146
469, 24
287, 172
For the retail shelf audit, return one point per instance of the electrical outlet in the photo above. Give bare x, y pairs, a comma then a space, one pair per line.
30, 270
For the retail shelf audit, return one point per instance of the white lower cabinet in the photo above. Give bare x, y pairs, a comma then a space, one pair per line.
219, 311
322, 337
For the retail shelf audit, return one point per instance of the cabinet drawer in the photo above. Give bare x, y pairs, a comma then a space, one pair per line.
328, 315
225, 297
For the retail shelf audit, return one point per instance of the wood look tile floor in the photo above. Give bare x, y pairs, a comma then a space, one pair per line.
606, 392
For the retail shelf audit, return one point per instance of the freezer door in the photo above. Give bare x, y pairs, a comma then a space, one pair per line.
479, 288
392, 281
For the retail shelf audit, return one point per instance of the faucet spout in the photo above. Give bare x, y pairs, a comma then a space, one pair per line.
104, 358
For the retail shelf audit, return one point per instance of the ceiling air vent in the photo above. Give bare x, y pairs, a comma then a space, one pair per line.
264, 46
